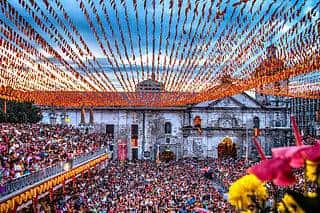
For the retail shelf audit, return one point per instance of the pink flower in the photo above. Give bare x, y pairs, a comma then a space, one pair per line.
277, 170
298, 154
313, 153
294, 154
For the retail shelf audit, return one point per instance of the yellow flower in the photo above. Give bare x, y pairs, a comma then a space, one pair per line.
312, 194
288, 204
244, 190
311, 170
281, 207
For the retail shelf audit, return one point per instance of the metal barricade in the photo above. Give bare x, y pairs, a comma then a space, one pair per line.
83, 158
35, 177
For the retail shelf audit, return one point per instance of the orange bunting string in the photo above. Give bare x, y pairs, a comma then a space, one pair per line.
185, 46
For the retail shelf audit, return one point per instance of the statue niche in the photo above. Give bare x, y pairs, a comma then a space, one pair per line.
227, 148
227, 121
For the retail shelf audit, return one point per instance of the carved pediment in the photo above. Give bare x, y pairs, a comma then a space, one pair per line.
226, 121
228, 102
240, 101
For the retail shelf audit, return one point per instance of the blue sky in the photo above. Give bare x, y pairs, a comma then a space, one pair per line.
193, 33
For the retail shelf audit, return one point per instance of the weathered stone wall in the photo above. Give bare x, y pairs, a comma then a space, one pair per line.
232, 117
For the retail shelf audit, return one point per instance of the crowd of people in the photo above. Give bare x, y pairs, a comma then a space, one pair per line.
138, 186
141, 186
228, 170
26, 148
148, 186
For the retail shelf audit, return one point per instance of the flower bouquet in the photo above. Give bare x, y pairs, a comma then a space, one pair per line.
276, 175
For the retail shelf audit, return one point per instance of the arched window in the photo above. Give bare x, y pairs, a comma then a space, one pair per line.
167, 128
256, 122
197, 121
318, 115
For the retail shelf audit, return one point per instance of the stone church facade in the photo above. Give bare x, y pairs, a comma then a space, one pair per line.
189, 131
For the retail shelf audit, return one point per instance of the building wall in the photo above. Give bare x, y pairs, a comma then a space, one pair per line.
305, 111
218, 121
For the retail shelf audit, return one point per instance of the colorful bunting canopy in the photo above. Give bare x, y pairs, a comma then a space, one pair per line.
304, 86
95, 53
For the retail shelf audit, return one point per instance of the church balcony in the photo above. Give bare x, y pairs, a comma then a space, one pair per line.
210, 131
207, 129
22, 189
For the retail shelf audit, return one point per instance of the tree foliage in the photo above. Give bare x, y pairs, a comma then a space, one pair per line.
18, 112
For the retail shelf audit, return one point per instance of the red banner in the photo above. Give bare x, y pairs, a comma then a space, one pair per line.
122, 149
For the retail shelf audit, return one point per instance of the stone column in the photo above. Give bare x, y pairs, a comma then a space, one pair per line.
5, 106
91, 118
143, 133
83, 116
